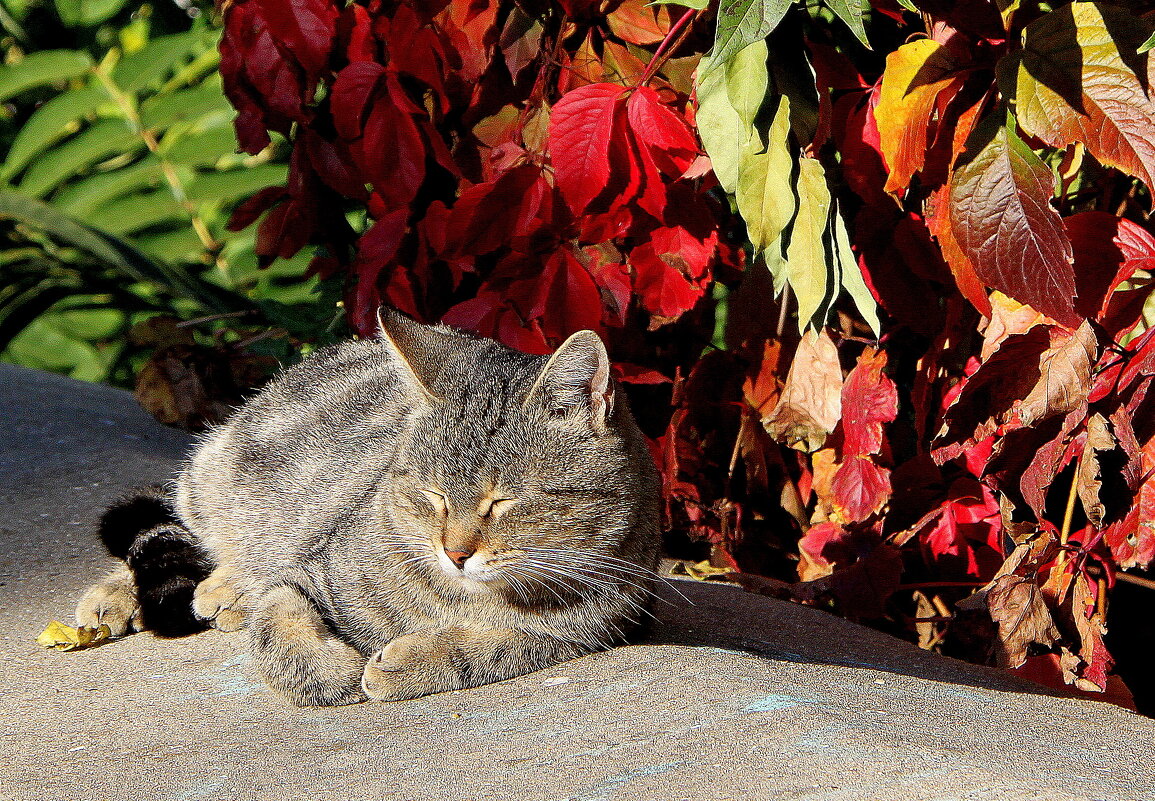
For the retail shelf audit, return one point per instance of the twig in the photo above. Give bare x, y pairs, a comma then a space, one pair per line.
667, 46
926, 585
1138, 581
213, 317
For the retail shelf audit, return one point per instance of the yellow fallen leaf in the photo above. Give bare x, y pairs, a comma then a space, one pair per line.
66, 638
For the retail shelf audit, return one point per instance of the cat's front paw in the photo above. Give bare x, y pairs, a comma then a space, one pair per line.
410, 667
216, 601
111, 602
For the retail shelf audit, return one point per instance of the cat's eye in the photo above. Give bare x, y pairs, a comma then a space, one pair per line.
492, 507
438, 501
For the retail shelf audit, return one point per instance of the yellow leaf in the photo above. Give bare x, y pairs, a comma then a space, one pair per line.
915, 74
806, 262
66, 638
765, 198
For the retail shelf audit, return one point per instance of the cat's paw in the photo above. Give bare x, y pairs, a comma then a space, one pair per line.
111, 602
216, 601
409, 667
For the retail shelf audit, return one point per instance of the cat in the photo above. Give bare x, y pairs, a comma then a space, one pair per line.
420, 512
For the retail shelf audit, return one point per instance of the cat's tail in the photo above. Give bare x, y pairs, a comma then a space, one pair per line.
166, 560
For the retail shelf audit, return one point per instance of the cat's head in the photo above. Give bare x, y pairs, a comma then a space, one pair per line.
521, 474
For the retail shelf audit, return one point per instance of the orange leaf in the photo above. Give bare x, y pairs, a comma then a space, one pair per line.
915, 74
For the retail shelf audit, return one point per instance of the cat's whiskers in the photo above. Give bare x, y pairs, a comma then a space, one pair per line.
542, 579
615, 570
603, 588
614, 563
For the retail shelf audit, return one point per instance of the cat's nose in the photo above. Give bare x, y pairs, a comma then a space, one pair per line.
458, 557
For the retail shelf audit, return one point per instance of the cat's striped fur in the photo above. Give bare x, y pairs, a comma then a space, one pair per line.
421, 512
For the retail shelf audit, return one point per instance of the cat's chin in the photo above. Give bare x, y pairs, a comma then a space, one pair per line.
475, 587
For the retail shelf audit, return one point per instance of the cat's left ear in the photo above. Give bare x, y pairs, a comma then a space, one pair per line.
577, 378
418, 350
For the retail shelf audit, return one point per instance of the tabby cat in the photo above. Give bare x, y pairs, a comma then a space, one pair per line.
424, 511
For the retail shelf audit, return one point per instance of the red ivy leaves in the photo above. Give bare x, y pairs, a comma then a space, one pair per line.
861, 486
527, 174
581, 128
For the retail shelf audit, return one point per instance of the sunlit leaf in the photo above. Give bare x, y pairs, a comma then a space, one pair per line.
1002, 218
764, 194
62, 637
807, 268
743, 22
1077, 83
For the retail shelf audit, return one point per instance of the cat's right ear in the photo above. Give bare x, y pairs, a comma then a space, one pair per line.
409, 343
577, 378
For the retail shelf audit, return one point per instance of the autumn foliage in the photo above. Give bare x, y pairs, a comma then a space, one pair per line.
880, 310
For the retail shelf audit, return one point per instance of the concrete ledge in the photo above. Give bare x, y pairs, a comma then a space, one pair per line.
734, 697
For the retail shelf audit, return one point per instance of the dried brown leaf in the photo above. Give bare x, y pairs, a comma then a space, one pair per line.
811, 402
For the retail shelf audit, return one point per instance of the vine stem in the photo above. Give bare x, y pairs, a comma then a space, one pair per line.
667, 45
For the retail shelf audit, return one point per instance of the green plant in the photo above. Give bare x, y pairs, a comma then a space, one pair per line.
115, 190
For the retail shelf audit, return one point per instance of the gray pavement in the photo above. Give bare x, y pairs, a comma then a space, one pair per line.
734, 697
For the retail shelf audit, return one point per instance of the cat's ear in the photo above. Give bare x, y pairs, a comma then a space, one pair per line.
577, 377
416, 348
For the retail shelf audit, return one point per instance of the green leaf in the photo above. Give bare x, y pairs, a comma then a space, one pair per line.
80, 198
765, 197
85, 13
116, 253
850, 12
235, 184
47, 66
698, 5
157, 60
137, 211
852, 280
719, 124
747, 81
50, 122
743, 22
806, 263
202, 148
1150, 43
105, 138
182, 244
163, 110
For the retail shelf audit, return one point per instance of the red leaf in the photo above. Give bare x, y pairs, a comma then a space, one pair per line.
663, 290
391, 151
637, 374
580, 129
247, 212
1001, 215
861, 488
355, 35
869, 399
1029, 378
665, 134
487, 314
488, 216
351, 96
305, 27
376, 250
1107, 252
567, 298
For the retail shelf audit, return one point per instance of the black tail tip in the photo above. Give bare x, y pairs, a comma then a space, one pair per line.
168, 564
130, 516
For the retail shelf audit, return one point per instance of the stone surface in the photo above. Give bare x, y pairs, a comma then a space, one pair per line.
735, 696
